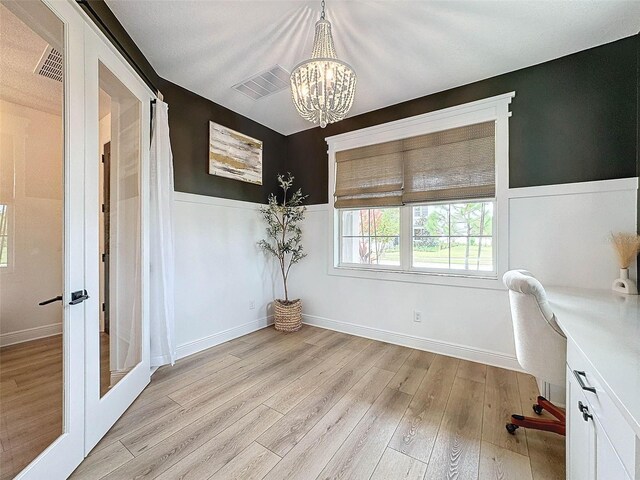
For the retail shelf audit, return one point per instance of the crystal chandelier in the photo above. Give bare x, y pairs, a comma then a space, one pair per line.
323, 87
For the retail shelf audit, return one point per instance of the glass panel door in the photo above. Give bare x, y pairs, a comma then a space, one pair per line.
118, 129
118, 207
41, 243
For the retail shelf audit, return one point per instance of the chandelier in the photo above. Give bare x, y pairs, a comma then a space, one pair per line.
323, 87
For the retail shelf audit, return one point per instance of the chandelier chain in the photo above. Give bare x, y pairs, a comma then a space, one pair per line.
322, 14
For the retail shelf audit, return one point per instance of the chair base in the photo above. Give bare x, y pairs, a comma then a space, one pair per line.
556, 426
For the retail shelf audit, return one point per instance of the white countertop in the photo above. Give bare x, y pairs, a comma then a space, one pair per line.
606, 326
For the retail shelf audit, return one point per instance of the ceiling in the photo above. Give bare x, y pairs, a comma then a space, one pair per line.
20, 51
399, 49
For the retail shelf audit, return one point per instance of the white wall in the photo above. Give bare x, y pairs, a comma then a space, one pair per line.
219, 271
35, 272
560, 233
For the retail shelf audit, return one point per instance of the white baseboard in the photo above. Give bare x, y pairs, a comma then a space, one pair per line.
29, 334
488, 357
201, 344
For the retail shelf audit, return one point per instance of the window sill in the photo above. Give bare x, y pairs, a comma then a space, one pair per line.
488, 282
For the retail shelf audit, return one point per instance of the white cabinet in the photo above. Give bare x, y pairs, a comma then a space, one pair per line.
590, 453
603, 360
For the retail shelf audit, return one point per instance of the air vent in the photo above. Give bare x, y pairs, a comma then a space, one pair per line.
264, 84
50, 64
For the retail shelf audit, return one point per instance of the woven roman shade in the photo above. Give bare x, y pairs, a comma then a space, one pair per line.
454, 164
369, 176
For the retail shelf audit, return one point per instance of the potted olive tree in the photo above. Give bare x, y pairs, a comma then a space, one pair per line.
284, 241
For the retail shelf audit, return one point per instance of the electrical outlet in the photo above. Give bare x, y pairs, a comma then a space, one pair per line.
252, 305
417, 316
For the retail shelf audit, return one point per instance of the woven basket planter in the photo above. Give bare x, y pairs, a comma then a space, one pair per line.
288, 318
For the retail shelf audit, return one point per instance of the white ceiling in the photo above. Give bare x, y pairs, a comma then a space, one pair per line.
20, 51
399, 49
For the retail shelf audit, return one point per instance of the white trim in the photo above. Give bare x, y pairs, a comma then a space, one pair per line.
209, 341
487, 357
319, 207
185, 197
404, 127
413, 276
598, 186
215, 201
28, 334
494, 109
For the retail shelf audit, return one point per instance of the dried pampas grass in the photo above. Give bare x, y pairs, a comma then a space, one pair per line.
627, 246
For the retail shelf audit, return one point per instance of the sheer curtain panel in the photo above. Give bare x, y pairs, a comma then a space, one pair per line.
161, 288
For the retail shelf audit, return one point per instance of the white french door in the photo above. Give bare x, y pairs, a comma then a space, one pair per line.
101, 296
59, 25
117, 114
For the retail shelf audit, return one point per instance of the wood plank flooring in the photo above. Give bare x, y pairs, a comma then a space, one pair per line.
318, 404
31, 399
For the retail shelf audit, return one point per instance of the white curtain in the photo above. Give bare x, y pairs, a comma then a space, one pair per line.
163, 349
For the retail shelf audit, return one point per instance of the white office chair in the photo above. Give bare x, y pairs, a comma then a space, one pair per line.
541, 345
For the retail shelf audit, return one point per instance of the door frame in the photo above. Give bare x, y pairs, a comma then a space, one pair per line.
102, 412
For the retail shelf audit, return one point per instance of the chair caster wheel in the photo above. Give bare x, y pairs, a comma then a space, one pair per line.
511, 428
538, 409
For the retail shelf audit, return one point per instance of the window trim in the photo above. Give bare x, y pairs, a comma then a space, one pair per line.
490, 109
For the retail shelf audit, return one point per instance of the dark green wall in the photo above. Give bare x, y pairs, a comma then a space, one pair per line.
575, 119
189, 116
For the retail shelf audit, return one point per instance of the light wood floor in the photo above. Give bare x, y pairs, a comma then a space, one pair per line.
31, 399
322, 404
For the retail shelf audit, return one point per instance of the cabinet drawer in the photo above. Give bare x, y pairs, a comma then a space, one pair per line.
613, 423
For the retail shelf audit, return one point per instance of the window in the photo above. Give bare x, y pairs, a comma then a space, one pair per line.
371, 236
453, 237
424, 195
4, 236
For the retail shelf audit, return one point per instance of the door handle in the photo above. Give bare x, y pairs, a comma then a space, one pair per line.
78, 297
51, 300
579, 374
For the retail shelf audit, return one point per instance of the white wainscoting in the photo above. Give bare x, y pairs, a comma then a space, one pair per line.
219, 272
559, 233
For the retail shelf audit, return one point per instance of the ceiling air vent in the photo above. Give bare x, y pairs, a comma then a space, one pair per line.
50, 64
264, 84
